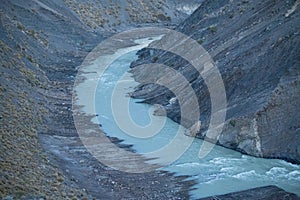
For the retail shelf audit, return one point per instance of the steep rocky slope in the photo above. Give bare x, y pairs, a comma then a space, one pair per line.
41, 44
120, 14
38, 56
255, 46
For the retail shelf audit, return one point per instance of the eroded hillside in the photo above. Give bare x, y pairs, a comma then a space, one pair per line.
255, 46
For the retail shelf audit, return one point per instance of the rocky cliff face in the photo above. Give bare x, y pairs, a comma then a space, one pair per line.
255, 46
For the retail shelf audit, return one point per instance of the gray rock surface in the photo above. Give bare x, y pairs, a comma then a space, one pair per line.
262, 193
255, 46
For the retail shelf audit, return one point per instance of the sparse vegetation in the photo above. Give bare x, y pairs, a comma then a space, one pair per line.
31, 33
213, 28
201, 40
232, 122
20, 26
46, 42
155, 58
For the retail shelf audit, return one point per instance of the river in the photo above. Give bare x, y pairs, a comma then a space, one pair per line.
221, 171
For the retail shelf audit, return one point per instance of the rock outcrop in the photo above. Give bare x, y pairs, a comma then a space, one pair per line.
263, 193
255, 46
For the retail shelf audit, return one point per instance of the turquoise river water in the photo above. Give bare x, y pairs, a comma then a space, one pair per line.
221, 171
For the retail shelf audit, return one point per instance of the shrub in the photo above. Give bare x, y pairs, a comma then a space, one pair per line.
31, 33
20, 26
232, 123
201, 40
213, 28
